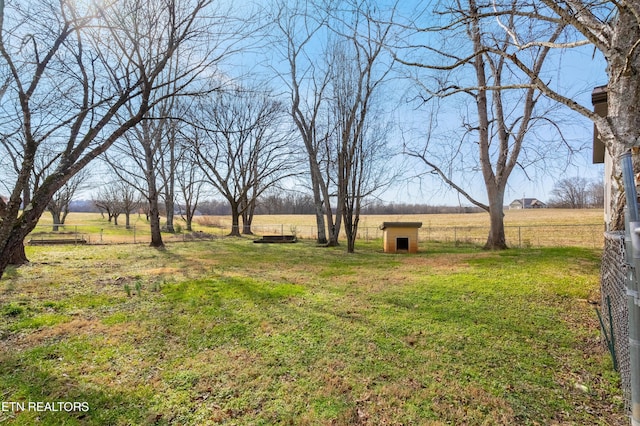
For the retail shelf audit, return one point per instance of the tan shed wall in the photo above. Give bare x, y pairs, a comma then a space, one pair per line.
390, 235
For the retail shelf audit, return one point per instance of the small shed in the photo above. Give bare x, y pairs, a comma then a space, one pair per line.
400, 237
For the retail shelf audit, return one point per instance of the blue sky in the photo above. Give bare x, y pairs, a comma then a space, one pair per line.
576, 72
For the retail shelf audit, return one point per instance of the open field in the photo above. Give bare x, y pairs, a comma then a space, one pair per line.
524, 228
231, 332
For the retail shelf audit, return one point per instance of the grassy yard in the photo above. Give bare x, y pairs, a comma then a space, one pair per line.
230, 332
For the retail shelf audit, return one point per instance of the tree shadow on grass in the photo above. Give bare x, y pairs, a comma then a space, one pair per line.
31, 395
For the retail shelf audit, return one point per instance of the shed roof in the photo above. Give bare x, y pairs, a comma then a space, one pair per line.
386, 225
528, 202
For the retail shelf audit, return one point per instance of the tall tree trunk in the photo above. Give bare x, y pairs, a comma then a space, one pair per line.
334, 223
320, 223
55, 215
154, 223
624, 112
247, 215
351, 220
496, 239
170, 207
12, 237
235, 220
188, 221
623, 103
18, 256
246, 223
352, 212
154, 214
170, 180
318, 201
152, 196
13, 253
494, 181
189, 217
334, 232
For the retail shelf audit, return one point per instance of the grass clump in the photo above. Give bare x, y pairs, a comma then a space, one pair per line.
242, 333
12, 310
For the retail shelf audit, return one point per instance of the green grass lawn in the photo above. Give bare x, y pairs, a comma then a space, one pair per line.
230, 332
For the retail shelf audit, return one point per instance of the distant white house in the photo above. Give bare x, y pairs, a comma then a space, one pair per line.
527, 203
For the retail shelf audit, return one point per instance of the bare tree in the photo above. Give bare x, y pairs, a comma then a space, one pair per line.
59, 204
287, 202
506, 104
168, 170
247, 148
136, 160
106, 202
190, 180
334, 66
572, 193
72, 67
613, 28
596, 194
357, 78
147, 153
118, 198
129, 201
299, 26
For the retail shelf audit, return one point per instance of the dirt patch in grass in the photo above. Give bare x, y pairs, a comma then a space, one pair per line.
161, 272
75, 328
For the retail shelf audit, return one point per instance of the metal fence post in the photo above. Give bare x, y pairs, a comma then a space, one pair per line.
633, 232
520, 236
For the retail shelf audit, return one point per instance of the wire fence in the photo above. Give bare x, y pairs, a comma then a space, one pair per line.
111, 234
613, 311
524, 236
589, 235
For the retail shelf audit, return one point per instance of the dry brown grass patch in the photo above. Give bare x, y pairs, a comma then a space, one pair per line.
78, 327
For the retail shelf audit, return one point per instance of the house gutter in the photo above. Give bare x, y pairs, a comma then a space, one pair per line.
632, 245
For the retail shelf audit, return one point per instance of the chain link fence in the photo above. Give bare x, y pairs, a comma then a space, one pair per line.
613, 312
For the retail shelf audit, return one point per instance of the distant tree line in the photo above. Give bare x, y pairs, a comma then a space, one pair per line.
118, 199
577, 193
287, 203
294, 203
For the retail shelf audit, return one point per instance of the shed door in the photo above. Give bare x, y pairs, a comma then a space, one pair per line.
402, 243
